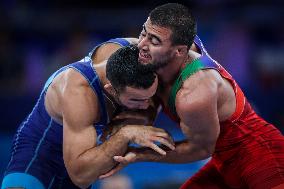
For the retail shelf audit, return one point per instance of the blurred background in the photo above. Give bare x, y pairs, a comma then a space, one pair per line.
38, 37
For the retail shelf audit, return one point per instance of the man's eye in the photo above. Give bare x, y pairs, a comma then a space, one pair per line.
155, 41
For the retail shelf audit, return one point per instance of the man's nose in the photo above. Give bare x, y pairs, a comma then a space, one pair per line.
143, 44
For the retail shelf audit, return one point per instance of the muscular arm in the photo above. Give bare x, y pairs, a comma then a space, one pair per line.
196, 105
84, 160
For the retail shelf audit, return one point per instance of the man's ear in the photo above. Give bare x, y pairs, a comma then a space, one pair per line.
181, 50
109, 88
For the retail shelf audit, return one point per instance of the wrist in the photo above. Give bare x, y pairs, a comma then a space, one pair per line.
124, 132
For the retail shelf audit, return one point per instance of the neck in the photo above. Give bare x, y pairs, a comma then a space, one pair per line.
101, 71
169, 73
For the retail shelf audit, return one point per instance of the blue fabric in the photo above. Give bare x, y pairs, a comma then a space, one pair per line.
21, 180
37, 144
205, 58
120, 41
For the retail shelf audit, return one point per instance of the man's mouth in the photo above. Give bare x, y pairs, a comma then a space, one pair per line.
144, 57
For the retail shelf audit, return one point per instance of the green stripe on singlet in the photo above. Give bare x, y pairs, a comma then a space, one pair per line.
187, 71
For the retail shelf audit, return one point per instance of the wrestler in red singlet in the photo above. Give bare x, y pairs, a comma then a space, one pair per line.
249, 152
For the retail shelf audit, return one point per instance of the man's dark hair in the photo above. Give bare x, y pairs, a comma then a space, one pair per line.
178, 18
123, 69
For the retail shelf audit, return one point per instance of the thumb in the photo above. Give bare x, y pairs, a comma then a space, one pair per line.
130, 157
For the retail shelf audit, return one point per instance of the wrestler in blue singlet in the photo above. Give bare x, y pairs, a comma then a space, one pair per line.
37, 158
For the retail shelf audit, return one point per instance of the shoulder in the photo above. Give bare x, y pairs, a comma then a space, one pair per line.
68, 88
207, 78
71, 77
198, 90
78, 97
70, 81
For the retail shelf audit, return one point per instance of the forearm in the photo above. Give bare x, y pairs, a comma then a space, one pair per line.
98, 160
185, 152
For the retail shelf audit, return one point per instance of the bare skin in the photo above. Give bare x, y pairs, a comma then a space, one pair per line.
72, 102
204, 100
204, 93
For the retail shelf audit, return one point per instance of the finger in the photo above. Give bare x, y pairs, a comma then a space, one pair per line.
157, 149
120, 159
165, 135
162, 133
159, 129
165, 142
111, 172
128, 158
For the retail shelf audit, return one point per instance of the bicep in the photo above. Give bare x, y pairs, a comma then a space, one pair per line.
197, 110
77, 141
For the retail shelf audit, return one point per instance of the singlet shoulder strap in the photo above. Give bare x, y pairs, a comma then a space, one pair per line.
86, 69
188, 70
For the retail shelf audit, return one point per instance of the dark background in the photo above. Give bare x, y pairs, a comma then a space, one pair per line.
38, 37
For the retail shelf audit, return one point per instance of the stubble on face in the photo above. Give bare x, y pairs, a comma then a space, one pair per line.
160, 61
155, 65
161, 56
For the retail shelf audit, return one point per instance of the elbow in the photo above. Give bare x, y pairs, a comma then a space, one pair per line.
202, 154
80, 182
202, 151
80, 178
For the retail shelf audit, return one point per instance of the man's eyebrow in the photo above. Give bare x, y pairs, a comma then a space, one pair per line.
156, 37
152, 35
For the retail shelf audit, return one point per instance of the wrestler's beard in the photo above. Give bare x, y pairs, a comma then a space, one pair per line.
156, 65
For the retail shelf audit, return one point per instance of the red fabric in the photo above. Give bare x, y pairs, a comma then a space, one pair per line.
249, 152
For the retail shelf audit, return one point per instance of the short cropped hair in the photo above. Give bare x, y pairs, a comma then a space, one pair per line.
179, 19
123, 69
